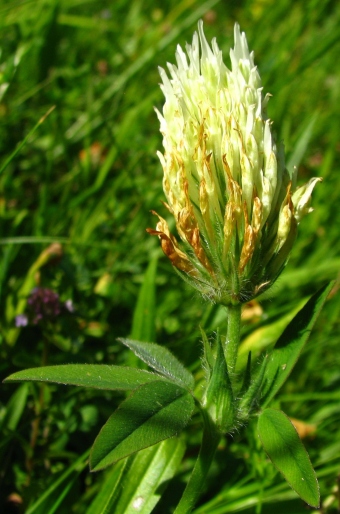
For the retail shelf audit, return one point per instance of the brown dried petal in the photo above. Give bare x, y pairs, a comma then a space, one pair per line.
257, 215
170, 247
174, 254
229, 226
248, 247
199, 251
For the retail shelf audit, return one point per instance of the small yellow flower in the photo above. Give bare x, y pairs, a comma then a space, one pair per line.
224, 176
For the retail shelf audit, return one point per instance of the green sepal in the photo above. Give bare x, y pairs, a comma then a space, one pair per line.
251, 397
208, 358
219, 397
286, 451
202, 282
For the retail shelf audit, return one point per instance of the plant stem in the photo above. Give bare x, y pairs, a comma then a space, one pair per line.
194, 488
233, 335
39, 407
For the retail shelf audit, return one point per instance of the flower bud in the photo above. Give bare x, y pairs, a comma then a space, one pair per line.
301, 199
224, 176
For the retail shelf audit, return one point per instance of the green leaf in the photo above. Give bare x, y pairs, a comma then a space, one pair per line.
162, 360
137, 482
149, 474
97, 376
195, 486
286, 451
282, 359
108, 494
15, 407
154, 412
143, 325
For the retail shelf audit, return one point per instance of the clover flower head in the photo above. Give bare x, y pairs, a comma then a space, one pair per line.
224, 175
43, 305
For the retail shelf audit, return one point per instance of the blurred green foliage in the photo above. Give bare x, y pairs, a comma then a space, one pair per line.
87, 176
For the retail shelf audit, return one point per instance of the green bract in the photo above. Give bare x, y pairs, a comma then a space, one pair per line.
224, 176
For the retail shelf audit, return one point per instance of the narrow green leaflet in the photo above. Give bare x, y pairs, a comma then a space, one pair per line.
162, 360
15, 407
282, 359
107, 495
135, 484
143, 325
286, 451
149, 474
97, 376
154, 412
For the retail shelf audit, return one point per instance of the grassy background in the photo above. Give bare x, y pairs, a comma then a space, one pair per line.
87, 178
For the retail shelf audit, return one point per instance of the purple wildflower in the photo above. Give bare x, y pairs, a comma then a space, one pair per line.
43, 304
21, 320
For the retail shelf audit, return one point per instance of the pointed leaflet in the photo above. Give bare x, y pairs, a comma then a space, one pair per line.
15, 408
97, 376
150, 472
154, 412
162, 360
107, 495
137, 482
289, 346
286, 451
